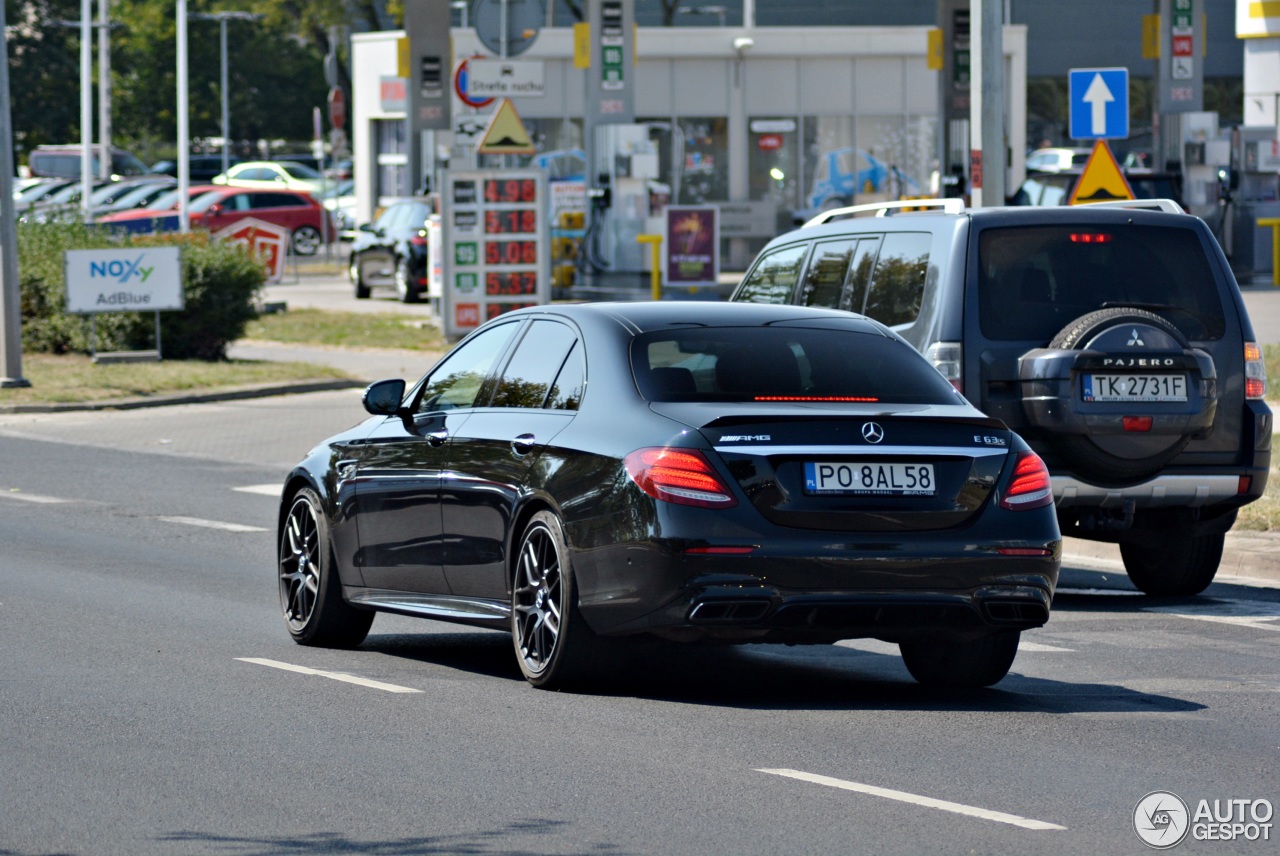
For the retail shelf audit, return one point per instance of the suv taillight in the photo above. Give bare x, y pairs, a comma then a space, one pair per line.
1255, 372
1030, 486
948, 359
682, 476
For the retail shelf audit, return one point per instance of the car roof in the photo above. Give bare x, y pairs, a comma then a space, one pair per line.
1011, 215
644, 316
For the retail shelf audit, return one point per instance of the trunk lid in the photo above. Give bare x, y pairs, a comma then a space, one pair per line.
856, 469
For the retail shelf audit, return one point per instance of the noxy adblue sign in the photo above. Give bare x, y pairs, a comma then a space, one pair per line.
146, 279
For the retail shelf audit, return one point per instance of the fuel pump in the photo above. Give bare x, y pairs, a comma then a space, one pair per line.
626, 165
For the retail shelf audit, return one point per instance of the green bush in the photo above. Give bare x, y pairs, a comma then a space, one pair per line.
220, 285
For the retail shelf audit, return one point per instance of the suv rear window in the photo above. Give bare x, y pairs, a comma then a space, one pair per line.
1033, 281
774, 277
783, 364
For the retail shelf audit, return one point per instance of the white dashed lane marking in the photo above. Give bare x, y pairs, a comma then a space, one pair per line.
33, 497
917, 799
1041, 648
261, 489
212, 524
875, 646
1242, 613
334, 676
1095, 592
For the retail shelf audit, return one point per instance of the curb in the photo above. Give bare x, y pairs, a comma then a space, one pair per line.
235, 394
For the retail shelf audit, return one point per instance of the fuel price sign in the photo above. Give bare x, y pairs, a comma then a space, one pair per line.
496, 247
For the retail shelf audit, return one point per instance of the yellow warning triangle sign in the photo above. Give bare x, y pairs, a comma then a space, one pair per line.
1102, 180
506, 134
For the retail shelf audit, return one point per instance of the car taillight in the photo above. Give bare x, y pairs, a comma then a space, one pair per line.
948, 359
1255, 372
682, 476
419, 240
1030, 486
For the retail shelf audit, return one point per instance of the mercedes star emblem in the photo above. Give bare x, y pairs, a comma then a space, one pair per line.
872, 433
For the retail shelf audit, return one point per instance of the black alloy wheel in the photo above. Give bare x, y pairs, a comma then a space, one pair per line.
553, 645
310, 593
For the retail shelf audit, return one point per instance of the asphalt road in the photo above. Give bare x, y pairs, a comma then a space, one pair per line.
151, 701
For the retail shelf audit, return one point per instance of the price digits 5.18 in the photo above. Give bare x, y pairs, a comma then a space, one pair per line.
511, 222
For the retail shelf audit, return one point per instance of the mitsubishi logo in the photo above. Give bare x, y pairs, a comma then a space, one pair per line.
1136, 341
872, 433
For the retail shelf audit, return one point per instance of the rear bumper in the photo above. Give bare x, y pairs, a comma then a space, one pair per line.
1173, 490
887, 591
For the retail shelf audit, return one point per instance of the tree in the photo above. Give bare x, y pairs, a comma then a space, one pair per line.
42, 59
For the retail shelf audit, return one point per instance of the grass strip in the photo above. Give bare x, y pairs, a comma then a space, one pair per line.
348, 329
76, 378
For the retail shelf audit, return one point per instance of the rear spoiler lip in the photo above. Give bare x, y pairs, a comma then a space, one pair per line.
698, 414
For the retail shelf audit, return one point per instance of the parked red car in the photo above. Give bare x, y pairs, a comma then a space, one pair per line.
214, 207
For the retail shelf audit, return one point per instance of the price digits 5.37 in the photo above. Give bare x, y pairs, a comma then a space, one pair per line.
510, 282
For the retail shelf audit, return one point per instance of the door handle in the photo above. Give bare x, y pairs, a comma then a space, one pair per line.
437, 438
523, 444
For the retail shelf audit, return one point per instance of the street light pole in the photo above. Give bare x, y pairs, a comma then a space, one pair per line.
104, 89
10, 292
184, 132
226, 104
86, 106
222, 18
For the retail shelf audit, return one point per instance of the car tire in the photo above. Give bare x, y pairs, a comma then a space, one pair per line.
406, 290
1180, 566
306, 241
310, 591
1084, 452
362, 291
553, 644
946, 662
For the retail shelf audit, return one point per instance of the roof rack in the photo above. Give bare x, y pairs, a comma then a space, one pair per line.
950, 205
1166, 205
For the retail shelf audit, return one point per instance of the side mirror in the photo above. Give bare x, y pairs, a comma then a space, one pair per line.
215, 210
383, 398
367, 227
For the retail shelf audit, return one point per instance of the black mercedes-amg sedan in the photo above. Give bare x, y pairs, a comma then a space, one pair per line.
579, 475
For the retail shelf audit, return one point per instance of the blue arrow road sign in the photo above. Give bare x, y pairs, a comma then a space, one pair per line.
1099, 103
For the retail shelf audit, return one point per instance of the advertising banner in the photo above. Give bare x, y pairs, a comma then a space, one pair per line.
693, 244
144, 279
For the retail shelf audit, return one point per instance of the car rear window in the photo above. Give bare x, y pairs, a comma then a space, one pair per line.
1035, 280
798, 364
